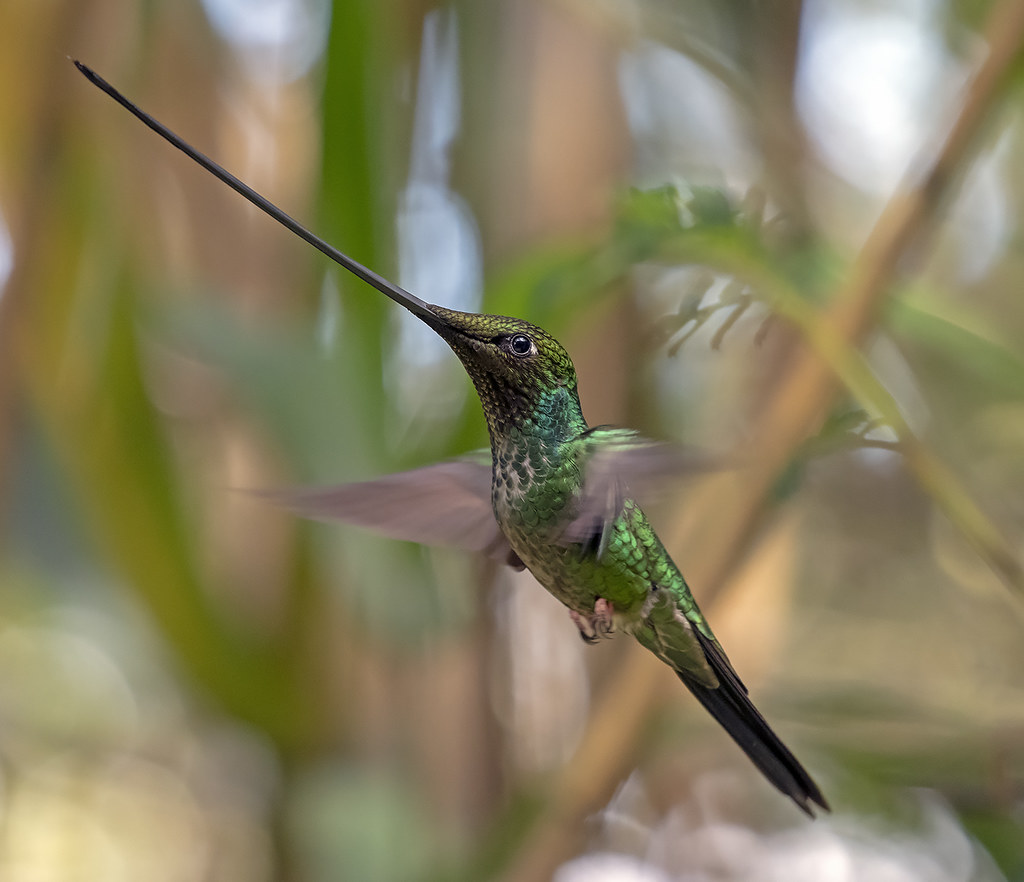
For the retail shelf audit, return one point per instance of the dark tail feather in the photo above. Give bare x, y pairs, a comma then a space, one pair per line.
732, 708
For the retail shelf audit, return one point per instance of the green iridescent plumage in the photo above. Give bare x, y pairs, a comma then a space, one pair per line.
562, 498
556, 496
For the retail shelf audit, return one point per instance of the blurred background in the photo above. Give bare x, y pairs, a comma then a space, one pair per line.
747, 225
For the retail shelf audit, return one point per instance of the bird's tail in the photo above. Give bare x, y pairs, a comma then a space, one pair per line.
728, 703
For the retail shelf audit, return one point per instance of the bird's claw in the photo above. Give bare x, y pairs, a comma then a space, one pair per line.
600, 623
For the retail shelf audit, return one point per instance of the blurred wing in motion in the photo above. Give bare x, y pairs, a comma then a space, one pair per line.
444, 504
449, 503
621, 463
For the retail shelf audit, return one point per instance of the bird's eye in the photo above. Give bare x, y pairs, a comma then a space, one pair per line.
521, 345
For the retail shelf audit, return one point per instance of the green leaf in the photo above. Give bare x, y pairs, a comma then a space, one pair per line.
963, 338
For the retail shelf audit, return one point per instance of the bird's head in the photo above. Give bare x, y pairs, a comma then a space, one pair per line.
524, 377
521, 372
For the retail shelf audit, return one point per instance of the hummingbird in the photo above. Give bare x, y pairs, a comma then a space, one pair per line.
555, 496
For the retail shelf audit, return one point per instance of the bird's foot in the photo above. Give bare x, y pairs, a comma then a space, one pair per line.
600, 623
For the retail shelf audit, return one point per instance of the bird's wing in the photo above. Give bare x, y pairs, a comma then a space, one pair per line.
675, 637
620, 464
450, 503
444, 504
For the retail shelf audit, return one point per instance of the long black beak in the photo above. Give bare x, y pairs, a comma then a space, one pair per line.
417, 307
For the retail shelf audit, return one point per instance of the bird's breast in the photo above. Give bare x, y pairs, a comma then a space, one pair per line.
535, 495
533, 490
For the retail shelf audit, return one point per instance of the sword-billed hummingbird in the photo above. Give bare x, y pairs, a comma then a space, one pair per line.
557, 497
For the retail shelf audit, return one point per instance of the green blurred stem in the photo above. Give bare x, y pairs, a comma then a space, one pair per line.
833, 336
739, 256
